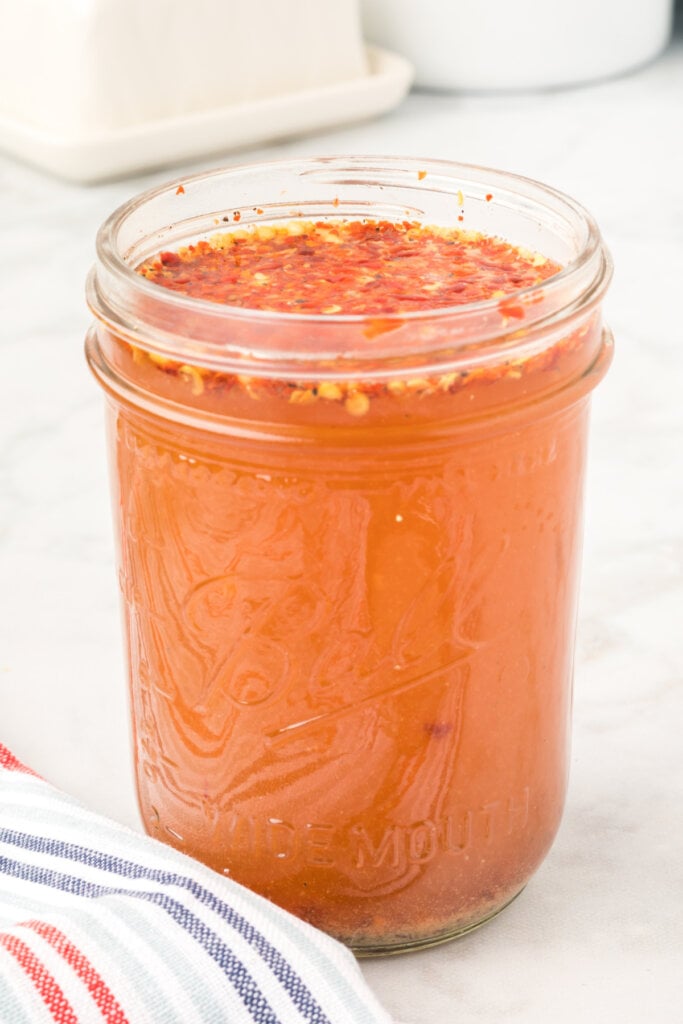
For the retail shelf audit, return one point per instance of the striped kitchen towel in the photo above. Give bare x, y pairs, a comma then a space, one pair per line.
100, 924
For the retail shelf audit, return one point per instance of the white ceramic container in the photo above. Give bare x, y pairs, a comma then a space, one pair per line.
518, 44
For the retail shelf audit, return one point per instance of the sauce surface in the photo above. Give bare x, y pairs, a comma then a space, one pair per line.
348, 267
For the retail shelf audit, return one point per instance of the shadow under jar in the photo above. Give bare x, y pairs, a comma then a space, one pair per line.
349, 550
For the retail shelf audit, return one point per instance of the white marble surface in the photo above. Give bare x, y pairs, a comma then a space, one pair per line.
598, 935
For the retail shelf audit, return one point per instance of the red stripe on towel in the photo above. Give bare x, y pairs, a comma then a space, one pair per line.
9, 761
51, 993
106, 1001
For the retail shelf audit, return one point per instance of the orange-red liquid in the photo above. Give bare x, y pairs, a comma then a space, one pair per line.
351, 639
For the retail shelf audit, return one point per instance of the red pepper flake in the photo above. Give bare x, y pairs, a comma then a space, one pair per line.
237, 215
180, 191
421, 175
438, 729
335, 201
514, 310
377, 326
488, 197
259, 210
461, 217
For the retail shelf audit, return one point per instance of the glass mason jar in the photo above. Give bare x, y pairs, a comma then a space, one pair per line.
349, 551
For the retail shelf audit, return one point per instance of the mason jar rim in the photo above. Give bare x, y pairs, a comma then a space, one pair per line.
116, 292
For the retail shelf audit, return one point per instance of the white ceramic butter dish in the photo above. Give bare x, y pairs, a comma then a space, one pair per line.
94, 89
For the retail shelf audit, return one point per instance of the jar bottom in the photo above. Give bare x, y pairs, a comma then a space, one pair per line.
412, 944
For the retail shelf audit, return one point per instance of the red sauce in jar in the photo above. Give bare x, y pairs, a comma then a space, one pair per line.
351, 643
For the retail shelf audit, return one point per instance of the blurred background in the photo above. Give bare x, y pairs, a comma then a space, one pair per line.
100, 99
